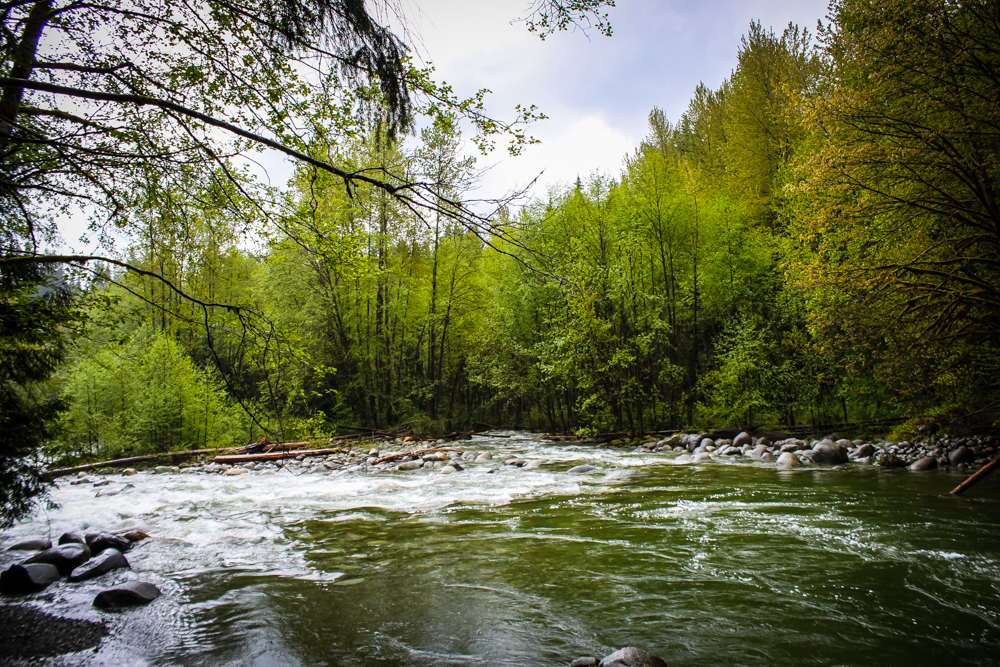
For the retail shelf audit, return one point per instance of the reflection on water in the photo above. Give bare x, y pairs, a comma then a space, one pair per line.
703, 565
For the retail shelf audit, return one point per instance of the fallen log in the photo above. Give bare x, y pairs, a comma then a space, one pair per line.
558, 438
490, 435
121, 463
282, 446
416, 452
983, 472
272, 456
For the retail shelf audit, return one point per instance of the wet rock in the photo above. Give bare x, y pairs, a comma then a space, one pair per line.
533, 464
163, 470
585, 662
28, 578
888, 460
701, 456
373, 452
632, 657
706, 442
129, 594
114, 492
66, 557
31, 545
683, 458
82, 480
582, 468
517, 462
762, 442
788, 460
72, 537
111, 559
766, 457
742, 439
962, 455
485, 456
757, 452
412, 465
448, 470
845, 443
98, 542
672, 441
232, 472
863, 451
103, 482
926, 463
129, 471
827, 451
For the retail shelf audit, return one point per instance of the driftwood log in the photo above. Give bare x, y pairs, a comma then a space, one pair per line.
416, 452
559, 438
121, 463
983, 472
273, 456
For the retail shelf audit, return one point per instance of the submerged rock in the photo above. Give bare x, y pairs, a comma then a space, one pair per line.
66, 557
583, 468
111, 559
129, 594
29, 578
632, 657
114, 492
585, 662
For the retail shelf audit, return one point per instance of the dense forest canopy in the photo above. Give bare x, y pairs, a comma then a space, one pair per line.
814, 241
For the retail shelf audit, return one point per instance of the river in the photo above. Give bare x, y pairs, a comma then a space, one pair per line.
728, 563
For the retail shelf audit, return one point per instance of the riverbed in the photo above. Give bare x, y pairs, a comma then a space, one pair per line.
730, 562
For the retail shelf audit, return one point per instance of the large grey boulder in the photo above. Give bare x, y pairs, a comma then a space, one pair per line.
862, 452
25, 579
742, 439
72, 537
129, 594
788, 460
111, 559
827, 451
66, 557
632, 657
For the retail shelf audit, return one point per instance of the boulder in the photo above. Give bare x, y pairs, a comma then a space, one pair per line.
763, 441
111, 559
25, 579
585, 662
788, 460
632, 657
129, 594
672, 441
766, 457
962, 455
827, 451
583, 468
72, 537
129, 471
412, 465
66, 557
845, 443
701, 456
863, 451
743, 438
31, 545
888, 460
926, 463
232, 472
163, 470
533, 464
517, 462
98, 542
706, 442
448, 470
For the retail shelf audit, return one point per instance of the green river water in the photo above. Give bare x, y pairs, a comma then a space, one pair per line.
727, 563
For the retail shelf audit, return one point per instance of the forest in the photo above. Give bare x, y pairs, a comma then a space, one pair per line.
815, 241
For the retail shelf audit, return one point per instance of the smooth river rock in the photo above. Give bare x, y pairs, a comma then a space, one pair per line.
632, 657
72, 537
129, 594
788, 460
926, 463
98, 542
583, 468
827, 451
962, 455
25, 579
742, 439
412, 465
533, 464
585, 662
31, 545
111, 559
66, 557
447, 470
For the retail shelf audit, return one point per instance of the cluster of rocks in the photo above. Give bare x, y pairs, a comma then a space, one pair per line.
626, 657
78, 557
791, 452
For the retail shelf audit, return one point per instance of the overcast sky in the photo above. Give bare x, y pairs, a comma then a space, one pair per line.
597, 91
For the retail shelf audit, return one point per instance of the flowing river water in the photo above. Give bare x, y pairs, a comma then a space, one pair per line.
723, 563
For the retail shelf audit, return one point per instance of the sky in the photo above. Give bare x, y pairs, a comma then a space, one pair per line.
597, 91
